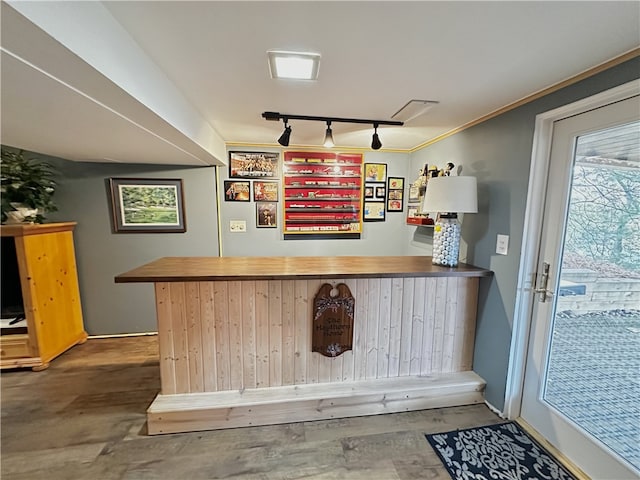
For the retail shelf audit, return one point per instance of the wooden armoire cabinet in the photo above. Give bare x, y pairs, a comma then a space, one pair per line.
48, 287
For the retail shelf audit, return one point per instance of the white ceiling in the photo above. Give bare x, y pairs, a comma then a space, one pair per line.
174, 81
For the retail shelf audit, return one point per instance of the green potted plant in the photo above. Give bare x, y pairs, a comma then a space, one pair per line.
27, 188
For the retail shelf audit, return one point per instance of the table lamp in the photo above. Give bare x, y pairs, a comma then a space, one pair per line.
449, 196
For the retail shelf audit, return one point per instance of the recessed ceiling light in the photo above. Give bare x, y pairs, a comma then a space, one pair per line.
295, 65
413, 109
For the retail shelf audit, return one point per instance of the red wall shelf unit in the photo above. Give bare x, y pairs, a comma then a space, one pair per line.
322, 195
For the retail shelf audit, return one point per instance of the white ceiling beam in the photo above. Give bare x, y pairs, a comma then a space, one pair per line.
88, 30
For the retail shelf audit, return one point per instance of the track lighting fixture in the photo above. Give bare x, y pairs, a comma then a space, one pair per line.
284, 138
376, 144
328, 137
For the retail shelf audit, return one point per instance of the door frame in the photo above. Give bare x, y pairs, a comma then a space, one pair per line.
532, 232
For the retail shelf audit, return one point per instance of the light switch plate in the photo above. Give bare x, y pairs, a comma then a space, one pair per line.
502, 244
237, 226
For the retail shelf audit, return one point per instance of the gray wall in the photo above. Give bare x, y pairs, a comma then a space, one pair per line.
498, 153
378, 238
82, 196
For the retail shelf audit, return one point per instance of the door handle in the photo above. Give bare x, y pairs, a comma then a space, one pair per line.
541, 287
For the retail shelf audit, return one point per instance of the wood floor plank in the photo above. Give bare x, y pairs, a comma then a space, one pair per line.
94, 396
364, 449
22, 462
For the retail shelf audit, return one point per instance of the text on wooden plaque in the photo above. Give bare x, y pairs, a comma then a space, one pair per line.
333, 311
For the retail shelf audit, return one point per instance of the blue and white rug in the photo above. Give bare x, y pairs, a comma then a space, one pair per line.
495, 452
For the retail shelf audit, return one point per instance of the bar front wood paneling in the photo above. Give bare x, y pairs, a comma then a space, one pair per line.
225, 327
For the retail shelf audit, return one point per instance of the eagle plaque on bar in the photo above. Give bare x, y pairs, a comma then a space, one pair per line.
333, 310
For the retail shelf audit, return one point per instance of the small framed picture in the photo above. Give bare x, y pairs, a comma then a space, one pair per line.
253, 164
147, 205
395, 194
380, 192
394, 205
395, 183
375, 172
236, 191
374, 212
265, 191
412, 211
414, 194
368, 192
266, 215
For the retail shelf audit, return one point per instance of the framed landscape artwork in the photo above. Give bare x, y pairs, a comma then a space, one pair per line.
147, 205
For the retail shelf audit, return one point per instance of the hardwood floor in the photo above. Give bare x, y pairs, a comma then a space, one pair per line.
84, 418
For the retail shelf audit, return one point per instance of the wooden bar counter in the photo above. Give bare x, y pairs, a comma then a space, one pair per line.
235, 339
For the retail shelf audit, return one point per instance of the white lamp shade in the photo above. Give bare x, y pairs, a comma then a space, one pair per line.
451, 195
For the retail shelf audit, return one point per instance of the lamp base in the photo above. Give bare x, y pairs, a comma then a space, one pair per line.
446, 241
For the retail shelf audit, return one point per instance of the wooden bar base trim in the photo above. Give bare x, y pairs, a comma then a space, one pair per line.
296, 403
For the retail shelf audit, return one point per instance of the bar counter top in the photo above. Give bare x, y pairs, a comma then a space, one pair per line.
203, 269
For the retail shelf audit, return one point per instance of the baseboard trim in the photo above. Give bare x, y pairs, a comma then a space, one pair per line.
495, 410
122, 335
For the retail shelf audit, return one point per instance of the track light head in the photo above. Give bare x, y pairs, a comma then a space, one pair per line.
328, 137
286, 135
376, 144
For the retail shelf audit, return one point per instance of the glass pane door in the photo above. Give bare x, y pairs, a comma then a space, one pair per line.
593, 371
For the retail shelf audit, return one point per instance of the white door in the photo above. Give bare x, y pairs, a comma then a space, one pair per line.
582, 377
